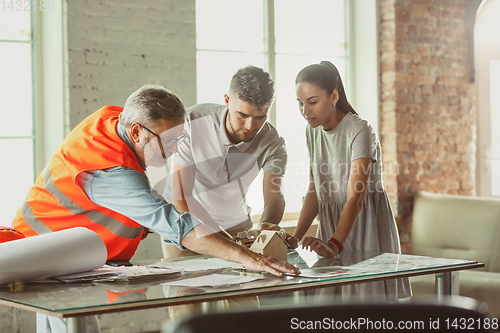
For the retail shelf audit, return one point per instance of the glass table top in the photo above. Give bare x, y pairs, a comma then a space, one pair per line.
317, 272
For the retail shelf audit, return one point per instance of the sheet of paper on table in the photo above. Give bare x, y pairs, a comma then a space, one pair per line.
329, 271
138, 273
400, 262
309, 257
212, 280
194, 265
108, 273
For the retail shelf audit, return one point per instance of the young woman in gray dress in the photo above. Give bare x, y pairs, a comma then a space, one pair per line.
345, 190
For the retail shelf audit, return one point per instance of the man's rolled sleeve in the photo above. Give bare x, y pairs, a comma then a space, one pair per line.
127, 191
184, 222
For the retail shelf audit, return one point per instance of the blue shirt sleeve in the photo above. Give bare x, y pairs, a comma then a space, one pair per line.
128, 192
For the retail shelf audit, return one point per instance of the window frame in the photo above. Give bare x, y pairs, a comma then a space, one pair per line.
51, 88
483, 55
361, 59
33, 137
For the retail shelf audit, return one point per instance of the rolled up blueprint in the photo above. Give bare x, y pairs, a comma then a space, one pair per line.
58, 253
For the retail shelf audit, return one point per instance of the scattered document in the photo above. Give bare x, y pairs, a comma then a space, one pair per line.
212, 280
309, 257
326, 272
108, 273
87, 276
405, 262
194, 265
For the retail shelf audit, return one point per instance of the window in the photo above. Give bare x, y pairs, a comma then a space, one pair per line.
495, 122
487, 63
281, 36
17, 137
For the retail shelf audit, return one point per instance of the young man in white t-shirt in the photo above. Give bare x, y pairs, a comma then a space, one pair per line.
226, 147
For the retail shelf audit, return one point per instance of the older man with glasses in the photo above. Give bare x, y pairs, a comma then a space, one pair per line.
96, 179
166, 144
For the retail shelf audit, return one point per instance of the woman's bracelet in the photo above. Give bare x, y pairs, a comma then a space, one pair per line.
298, 240
337, 243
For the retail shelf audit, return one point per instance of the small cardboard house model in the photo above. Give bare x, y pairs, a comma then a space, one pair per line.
271, 244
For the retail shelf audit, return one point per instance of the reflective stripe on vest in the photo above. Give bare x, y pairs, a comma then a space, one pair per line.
57, 202
95, 216
32, 221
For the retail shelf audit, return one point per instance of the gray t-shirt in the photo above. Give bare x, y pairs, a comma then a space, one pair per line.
332, 153
223, 170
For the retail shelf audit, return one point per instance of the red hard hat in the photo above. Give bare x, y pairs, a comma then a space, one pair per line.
8, 234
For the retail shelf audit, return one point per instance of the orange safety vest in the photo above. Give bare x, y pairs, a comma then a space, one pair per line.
57, 202
138, 294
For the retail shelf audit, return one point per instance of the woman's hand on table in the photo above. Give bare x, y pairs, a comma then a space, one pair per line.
328, 250
293, 242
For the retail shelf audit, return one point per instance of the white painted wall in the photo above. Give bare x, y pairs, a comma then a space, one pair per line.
116, 46
95, 53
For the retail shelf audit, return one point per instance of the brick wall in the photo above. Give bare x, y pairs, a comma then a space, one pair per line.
116, 46
428, 114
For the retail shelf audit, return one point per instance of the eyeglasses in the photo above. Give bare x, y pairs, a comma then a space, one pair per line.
166, 144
